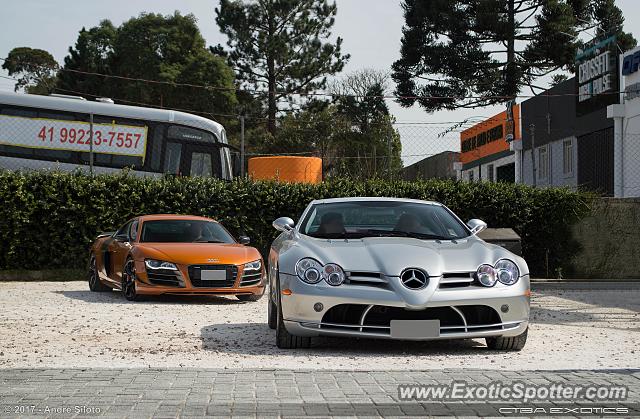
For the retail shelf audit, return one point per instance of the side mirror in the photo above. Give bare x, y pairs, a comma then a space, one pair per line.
476, 226
283, 224
121, 238
244, 240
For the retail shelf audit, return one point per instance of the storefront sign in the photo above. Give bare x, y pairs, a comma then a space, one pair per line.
490, 136
630, 67
597, 75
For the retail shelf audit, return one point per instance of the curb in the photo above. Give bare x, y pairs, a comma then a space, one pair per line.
593, 285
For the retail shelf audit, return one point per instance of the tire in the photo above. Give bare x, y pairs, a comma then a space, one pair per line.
249, 297
284, 339
95, 284
514, 343
128, 281
273, 314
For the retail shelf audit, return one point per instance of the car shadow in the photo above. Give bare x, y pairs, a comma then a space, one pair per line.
232, 338
115, 297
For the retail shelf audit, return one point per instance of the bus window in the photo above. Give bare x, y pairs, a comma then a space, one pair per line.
172, 158
177, 132
154, 152
201, 164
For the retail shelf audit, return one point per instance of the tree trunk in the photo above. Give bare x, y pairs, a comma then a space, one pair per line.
271, 75
272, 102
510, 75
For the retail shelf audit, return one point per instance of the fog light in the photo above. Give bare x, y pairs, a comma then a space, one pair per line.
318, 307
504, 308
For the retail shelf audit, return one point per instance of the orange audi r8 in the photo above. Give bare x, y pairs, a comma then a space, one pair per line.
175, 254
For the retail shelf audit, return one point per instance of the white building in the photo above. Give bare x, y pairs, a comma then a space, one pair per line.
626, 116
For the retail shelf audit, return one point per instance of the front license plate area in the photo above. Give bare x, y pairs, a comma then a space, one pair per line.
415, 329
213, 275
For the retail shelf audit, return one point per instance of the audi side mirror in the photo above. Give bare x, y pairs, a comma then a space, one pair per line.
121, 238
244, 240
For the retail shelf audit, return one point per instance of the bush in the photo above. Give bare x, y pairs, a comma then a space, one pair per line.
48, 220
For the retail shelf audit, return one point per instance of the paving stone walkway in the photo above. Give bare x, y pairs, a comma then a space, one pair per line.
277, 393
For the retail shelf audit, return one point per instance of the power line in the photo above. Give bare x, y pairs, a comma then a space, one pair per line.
313, 94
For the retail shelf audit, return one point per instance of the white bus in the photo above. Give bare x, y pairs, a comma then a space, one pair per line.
52, 132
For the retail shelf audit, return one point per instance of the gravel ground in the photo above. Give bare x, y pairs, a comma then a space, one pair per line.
63, 325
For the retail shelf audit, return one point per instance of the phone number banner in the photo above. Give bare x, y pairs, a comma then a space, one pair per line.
56, 134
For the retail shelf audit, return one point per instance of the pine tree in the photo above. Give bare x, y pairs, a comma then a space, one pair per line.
281, 45
471, 53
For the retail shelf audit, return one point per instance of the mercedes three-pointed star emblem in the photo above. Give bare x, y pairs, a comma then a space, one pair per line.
414, 279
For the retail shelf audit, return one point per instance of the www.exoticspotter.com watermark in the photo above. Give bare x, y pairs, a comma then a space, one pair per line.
514, 391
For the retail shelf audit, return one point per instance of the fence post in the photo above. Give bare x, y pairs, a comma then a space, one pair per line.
389, 153
91, 144
242, 145
532, 128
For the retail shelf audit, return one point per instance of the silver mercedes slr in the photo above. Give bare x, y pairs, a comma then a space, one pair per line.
393, 269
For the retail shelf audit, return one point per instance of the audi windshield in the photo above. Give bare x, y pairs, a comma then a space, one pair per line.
382, 219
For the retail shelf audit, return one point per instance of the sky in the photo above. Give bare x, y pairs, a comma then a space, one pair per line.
371, 32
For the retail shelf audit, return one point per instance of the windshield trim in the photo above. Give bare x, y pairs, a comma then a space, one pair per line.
144, 222
314, 205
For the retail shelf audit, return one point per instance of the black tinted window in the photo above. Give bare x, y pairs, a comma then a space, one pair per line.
184, 231
176, 132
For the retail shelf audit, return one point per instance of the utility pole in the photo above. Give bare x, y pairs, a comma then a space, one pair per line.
242, 145
532, 129
91, 144
389, 152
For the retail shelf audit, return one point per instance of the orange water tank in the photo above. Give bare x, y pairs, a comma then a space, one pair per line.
286, 169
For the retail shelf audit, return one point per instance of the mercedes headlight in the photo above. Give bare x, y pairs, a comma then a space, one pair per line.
333, 274
486, 275
507, 272
159, 264
256, 265
309, 270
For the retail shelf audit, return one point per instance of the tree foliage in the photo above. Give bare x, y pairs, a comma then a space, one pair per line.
470, 53
353, 134
168, 49
35, 68
52, 201
281, 45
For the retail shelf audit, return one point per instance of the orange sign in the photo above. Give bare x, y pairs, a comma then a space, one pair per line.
489, 137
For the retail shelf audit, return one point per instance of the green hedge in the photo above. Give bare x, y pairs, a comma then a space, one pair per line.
48, 220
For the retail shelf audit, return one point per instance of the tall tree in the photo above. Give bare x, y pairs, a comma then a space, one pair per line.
374, 144
167, 49
281, 45
470, 53
92, 53
35, 68
608, 18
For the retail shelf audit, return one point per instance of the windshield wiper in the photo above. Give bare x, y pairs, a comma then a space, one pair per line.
412, 234
207, 241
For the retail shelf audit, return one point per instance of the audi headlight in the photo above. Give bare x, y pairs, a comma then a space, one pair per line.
309, 270
486, 275
256, 265
333, 274
159, 264
507, 272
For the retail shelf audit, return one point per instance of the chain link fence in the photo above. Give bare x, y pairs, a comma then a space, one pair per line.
161, 142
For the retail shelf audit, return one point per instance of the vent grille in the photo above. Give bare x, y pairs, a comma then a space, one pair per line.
457, 279
164, 277
195, 276
250, 278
